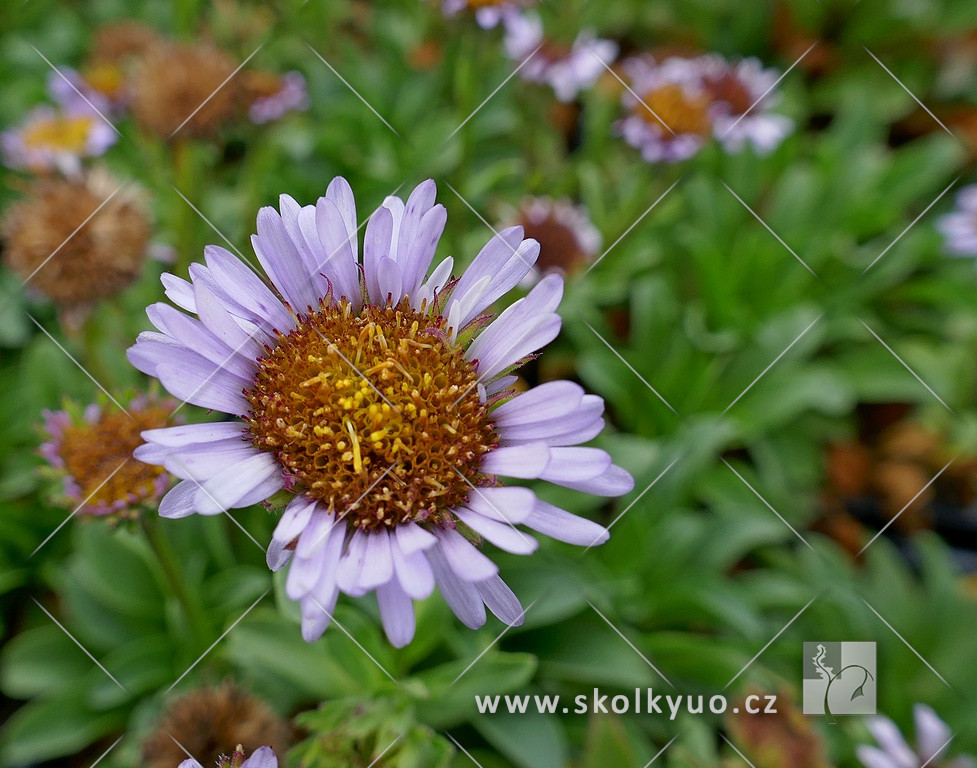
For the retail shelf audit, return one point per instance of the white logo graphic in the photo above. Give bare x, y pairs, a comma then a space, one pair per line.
839, 679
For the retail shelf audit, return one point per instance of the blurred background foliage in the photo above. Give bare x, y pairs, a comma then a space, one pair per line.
770, 370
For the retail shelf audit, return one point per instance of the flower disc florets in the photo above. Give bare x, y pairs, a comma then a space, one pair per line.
91, 454
376, 414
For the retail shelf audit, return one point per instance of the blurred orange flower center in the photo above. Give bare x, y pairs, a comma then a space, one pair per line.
105, 77
63, 133
676, 108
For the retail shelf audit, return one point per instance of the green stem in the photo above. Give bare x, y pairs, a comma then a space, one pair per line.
183, 171
193, 610
91, 340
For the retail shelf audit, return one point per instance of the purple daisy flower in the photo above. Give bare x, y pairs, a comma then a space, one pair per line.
380, 397
959, 228
568, 239
263, 757
52, 139
488, 13
669, 116
932, 738
89, 455
567, 69
742, 96
69, 88
291, 96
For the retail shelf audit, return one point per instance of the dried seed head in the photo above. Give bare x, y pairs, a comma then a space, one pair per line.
373, 414
97, 251
123, 40
176, 80
211, 724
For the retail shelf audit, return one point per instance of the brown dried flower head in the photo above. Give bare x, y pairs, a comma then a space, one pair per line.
123, 40
176, 80
97, 251
211, 723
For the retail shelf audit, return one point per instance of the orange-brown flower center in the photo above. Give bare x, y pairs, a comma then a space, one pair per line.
676, 107
374, 414
732, 90
96, 455
559, 247
61, 133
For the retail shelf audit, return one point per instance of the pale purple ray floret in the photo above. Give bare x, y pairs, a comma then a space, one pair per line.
933, 737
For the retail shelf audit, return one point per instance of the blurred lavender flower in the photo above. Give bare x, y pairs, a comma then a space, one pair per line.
379, 398
567, 238
54, 139
742, 97
677, 104
669, 108
959, 228
89, 454
568, 69
276, 96
488, 13
101, 88
932, 738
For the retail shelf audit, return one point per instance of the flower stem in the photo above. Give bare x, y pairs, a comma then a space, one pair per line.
183, 171
193, 610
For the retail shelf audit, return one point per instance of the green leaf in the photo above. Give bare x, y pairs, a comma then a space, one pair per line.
530, 740
264, 642
140, 667
49, 728
39, 661
607, 744
451, 699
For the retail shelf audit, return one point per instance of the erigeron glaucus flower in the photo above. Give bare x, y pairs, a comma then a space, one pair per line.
56, 139
100, 87
488, 13
742, 97
76, 240
959, 228
669, 109
270, 97
932, 738
222, 726
379, 396
185, 88
568, 69
567, 239
89, 455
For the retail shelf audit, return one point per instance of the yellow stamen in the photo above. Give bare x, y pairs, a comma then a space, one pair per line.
60, 133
